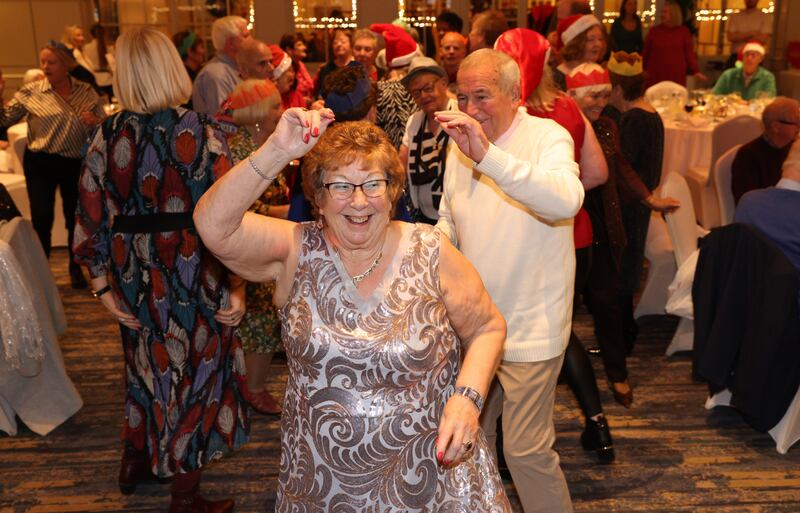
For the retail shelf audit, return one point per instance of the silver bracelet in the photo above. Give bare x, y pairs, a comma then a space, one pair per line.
471, 394
258, 171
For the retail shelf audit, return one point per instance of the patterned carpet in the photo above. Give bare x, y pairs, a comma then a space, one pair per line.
672, 455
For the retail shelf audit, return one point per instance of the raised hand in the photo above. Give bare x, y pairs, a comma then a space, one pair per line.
466, 132
299, 130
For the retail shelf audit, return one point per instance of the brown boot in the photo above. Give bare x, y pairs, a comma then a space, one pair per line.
134, 469
186, 497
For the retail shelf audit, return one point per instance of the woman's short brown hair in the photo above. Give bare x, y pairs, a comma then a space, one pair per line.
573, 51
632, 86
342, 145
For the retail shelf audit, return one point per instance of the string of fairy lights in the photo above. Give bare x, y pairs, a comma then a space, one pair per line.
325, 22
648, 16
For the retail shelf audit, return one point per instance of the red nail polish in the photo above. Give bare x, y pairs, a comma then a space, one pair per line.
446, 462
439, 455
305, 138
316, 132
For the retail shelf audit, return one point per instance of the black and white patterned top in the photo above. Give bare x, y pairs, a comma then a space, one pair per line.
394, 107
427, 155
54, 125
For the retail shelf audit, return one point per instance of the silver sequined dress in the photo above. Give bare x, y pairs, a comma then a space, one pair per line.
368, 380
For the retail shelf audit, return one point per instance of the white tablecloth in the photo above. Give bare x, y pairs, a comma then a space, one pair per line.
17, 140
685, 146
15, 183
47, 399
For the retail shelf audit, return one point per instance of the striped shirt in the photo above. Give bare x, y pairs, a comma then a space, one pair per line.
53, 122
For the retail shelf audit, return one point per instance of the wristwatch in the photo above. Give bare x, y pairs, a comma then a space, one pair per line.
98, 293
471, 394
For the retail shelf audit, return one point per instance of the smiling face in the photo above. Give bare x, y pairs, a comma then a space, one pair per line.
359, 221
595, 45
54, 70
480, 96
592, 102
429, 92
364, 52
300, 50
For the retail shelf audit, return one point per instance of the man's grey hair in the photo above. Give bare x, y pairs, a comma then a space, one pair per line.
226, 28
507, 69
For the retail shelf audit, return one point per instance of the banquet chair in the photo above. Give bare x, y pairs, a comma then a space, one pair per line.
683, 232
18, 151
661, 269
722, 182
731, 132
655, 92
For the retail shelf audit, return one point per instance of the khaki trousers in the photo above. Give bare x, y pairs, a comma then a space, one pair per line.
524, 392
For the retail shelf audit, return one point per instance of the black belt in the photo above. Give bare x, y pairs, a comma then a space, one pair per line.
153, 223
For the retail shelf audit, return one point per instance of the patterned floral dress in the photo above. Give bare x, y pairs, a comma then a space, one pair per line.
260, 329
368, 380
183, 369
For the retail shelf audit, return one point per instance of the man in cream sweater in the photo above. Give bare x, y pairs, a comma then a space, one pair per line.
510, 193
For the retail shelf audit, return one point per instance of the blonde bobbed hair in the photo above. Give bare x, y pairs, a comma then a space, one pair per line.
150, 74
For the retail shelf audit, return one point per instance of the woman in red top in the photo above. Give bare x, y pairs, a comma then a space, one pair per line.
544, 100
669, 50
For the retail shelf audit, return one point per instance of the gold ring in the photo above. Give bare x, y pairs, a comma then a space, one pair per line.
467, 445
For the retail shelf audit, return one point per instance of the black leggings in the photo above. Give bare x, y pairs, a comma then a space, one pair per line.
577, 369
44, 173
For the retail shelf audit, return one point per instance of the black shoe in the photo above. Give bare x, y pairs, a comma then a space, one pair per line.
76, 277
597, 437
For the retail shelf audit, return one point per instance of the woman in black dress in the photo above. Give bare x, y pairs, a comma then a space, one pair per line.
626, 32
641, 138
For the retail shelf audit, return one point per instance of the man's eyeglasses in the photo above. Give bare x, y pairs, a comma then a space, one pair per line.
427, 89
344, 190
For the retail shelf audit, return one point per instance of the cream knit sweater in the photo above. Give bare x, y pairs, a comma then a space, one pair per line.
511, 216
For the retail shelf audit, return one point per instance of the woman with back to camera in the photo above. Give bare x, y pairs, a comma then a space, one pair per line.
177, 306
381, 411
61, 112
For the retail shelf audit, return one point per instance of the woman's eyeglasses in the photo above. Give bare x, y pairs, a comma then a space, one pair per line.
344, 190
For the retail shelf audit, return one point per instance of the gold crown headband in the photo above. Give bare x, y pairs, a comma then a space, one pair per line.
625, 64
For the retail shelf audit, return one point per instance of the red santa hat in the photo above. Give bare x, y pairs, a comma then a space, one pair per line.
400, 46
569, 28
752, 46
280, 61
588, 77
531, 50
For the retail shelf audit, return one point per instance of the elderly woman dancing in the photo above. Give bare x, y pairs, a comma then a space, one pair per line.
184, 367
381, 411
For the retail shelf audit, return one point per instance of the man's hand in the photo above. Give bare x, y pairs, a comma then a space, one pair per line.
466, 132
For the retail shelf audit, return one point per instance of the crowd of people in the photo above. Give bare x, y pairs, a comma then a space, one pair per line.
414, 232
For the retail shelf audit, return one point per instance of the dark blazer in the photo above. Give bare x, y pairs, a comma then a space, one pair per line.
746, 322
